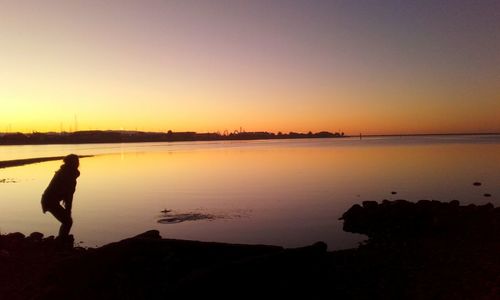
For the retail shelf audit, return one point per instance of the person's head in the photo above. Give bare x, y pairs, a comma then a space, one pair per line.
72, 161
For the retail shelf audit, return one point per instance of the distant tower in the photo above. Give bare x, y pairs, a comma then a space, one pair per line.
76, 123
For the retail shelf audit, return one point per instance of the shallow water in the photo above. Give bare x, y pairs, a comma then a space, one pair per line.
282, 192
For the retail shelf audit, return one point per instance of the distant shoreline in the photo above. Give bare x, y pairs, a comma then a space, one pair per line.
117, 137
111, 136
426, 134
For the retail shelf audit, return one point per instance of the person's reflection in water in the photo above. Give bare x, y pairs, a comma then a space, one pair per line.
61, 188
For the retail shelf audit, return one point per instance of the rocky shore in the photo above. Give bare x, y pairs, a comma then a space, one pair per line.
423, 250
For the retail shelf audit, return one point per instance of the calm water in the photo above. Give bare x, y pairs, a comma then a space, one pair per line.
287, 192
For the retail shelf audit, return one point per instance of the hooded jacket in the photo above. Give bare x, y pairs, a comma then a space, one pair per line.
61, 188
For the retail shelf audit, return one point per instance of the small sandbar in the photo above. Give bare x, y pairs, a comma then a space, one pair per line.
27, 161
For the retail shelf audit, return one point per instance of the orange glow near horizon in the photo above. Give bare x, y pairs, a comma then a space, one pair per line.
210, 67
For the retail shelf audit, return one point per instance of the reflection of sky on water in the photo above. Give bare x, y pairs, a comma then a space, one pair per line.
291, 192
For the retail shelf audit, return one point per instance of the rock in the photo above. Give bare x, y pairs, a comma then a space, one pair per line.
50, 238
36, 236
400, 219
422, 250
352, 212
477, 183
487, 207
487, 195
150, 234
14, 236
370, 204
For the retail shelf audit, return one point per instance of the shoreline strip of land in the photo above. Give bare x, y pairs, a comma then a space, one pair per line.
27, 161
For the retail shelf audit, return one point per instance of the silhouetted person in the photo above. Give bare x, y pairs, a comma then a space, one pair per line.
61, 188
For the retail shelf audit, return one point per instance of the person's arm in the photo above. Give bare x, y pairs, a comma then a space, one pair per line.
68, 202
70, 190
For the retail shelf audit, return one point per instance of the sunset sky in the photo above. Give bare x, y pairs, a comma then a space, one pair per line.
357, 66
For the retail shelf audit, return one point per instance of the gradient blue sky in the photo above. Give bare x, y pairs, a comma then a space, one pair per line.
356, 66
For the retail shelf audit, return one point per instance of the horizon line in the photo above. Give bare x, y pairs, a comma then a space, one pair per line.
284, 133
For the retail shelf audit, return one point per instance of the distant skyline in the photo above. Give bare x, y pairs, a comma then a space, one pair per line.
375, 67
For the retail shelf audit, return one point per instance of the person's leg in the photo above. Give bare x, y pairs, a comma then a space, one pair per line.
62, 216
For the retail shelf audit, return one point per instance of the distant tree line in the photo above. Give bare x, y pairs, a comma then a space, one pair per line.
112, 136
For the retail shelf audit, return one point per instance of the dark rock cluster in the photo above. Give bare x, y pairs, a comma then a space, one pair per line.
26, 259
402, 219
149, 267
423, 250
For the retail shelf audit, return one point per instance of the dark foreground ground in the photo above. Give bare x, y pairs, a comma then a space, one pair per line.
424, 250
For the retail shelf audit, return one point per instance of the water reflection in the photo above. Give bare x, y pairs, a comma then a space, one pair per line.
292, 192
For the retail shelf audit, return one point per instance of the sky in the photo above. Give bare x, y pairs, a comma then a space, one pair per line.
371, 67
